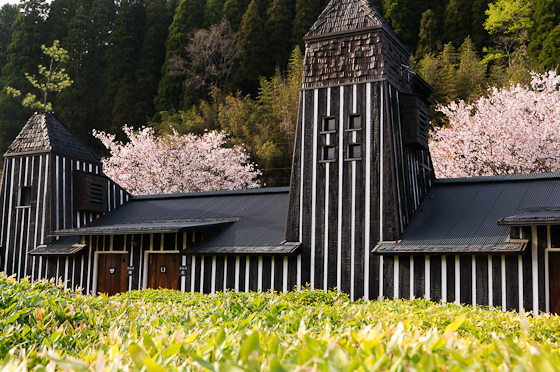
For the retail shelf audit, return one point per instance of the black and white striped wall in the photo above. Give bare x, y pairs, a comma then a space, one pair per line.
205, 274
340, 208
49, 177
510, 282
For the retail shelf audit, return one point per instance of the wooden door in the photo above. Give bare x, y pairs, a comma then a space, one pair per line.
163, 270
111, 273
554, 277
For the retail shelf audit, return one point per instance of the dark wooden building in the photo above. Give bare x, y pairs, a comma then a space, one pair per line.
363, 214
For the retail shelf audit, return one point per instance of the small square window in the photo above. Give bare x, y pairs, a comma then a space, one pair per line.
329, 124
355, 151
24, 196
328, 153
355, 121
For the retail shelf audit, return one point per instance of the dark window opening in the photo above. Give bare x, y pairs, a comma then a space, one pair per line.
96, 195
329, 124
355, 121
24, 196
355, 151
328, 153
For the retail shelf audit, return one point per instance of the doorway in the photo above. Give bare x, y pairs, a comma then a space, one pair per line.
111, 273
163, 270
554, 280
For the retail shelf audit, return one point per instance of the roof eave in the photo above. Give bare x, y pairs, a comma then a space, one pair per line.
513, 246
529, 222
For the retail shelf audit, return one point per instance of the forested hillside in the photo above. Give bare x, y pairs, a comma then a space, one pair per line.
151, 62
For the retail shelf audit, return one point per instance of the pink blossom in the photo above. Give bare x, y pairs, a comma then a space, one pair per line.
176, 164
512, 130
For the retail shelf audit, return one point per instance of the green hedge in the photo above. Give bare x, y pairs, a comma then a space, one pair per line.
45, 328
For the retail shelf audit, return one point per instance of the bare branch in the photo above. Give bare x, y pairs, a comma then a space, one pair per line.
210, 56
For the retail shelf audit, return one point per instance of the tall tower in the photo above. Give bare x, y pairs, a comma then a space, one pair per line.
361, 163
51, 181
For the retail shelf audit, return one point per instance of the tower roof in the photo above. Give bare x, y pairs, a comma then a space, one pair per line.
45, 132
348, 15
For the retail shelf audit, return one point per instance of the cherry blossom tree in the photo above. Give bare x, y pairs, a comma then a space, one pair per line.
511, 130
175, 163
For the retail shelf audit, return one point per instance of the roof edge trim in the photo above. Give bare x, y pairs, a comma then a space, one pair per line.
41, 152
511, 247
528, 221
256, 190
284, 249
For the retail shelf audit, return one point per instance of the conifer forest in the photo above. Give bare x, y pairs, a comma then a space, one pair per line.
235, 65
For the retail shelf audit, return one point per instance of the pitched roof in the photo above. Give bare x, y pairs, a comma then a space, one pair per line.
250, 221
45, 132
347, 15
461, 215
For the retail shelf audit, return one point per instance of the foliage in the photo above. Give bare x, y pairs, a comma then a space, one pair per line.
401, 18
457, 21
188, 16
44, 327
175, 163
252, 44
453, 75
427, 42
265, 126
508, 21
209, 58
152, 57
543, 43
513, 130
8, 14
277, 26
56, 78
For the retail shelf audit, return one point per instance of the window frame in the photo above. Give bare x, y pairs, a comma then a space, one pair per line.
348, 151
324, 120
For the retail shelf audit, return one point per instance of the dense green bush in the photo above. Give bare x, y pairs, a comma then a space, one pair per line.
44, 328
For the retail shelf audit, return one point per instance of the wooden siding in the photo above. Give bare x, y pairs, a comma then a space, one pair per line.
207, 274
368, 56
52, 207
340, 208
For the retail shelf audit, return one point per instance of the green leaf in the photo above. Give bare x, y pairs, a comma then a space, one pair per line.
455, 324
251, 344
220, 337
275, 366
203, 363
74, 365
173, 349
223, 367
141, 359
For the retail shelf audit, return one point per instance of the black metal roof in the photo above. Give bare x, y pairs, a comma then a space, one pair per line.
458, 213
67, 246
256, 218
150, 227
45, 132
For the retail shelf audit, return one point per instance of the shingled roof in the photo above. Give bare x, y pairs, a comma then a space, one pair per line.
45, 132
347, 15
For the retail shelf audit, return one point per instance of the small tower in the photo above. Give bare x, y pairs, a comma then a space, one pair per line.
51, 181
361, 163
